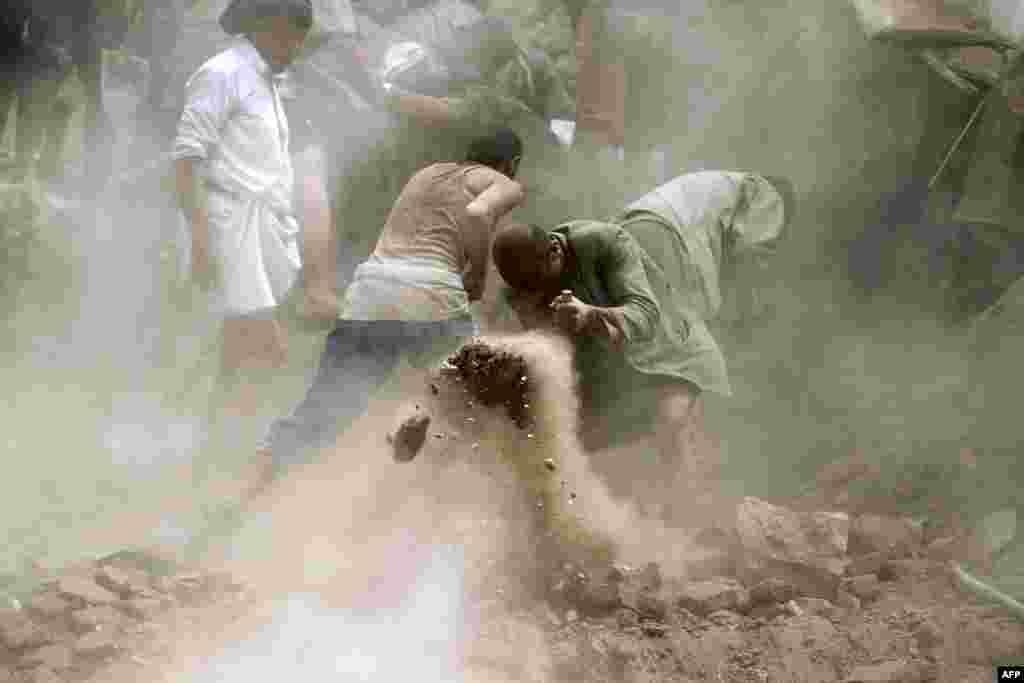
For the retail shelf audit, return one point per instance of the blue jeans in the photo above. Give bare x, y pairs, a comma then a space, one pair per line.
357, 359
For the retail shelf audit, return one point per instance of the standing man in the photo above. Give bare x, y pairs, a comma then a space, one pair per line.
411, 296
635, 296
235, 182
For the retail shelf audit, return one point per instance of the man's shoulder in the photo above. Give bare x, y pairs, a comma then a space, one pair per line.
590, 236
231, 62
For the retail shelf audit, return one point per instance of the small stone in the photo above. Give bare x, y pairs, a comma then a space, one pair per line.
877, 533
572, 616
18, 632
85, 590
899, 570
143, 609
93, 618
47, 606
96, 644
870, 563
819, 607
725, 618
886, 672
410, 436
866, 587
705, 597
550, 464
928, 636
772, 591
56, 657
847, 600
40, 675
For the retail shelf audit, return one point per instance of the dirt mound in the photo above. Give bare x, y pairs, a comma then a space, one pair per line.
496, 377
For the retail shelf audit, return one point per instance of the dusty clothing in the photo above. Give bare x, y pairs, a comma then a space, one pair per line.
664, 338
428, 242
234, 122
712, 217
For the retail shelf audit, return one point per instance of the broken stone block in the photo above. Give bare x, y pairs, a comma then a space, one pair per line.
96, 644
82, 590
886, 672
47, 606
19, 632
409, 437
865, 587
704, 597
93, 618
818, 607
772, 591
56, 657
805, 549
899, 570
896, 536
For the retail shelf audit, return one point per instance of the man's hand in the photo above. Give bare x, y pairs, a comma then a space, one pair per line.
571, 314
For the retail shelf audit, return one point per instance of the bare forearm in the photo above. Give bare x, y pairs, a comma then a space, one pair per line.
497, 200
428, 111
191, 193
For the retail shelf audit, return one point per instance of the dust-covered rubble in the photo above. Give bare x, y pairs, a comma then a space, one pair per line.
79, 623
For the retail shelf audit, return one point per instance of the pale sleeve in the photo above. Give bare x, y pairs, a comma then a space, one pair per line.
210, 98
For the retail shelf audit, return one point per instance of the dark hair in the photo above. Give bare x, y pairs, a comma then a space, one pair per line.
784, 186
516, 251
500, 147
240, 15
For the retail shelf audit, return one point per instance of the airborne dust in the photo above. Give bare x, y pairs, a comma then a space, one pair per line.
384, 571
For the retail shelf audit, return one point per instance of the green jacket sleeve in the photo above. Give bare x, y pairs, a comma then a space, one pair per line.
634, 310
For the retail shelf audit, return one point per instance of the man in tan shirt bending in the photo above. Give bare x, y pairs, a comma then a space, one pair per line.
412, 295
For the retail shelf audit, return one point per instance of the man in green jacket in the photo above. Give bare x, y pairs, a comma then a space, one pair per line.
636, 295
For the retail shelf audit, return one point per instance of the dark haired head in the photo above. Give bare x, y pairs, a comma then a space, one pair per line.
500, 150
519, 252
240, 15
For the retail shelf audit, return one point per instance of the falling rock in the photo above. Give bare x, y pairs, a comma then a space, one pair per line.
806, 549
886, 672
897, 536
19, 632
409, 436
47, 606
84, 590
56, 657
705, 597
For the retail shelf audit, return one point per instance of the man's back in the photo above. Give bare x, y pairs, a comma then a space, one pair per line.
429, 220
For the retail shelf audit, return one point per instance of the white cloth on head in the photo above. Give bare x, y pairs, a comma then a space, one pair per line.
718, 215
234, 124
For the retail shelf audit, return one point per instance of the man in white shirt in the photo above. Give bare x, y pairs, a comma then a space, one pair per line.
234, 180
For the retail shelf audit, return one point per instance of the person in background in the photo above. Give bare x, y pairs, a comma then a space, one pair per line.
235, 184
412, 296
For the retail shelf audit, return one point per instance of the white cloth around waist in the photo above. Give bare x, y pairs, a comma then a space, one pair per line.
399, 288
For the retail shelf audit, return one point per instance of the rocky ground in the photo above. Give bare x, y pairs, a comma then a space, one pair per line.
816, 590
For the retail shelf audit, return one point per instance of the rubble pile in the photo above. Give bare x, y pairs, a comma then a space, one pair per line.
90, 617
811, 597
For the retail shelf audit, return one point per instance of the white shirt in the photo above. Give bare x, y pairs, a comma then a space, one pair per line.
234, 123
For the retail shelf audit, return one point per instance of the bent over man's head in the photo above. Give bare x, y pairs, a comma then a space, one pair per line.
527, 257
